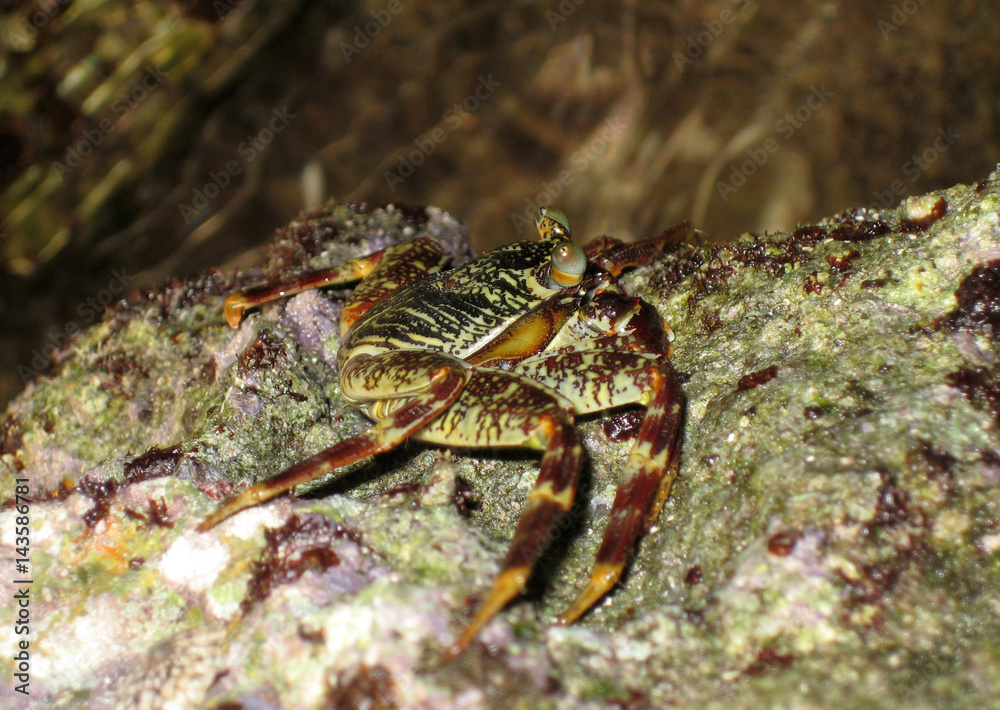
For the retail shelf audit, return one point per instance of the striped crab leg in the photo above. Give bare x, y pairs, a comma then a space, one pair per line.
380, 273
642, 490
425, 384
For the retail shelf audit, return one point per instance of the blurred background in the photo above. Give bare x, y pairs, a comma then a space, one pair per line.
144, 141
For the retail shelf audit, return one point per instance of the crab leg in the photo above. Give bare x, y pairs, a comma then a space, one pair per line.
627, 367
644, 487
504, 409
401, 265
551, 497
615, 255
437, 391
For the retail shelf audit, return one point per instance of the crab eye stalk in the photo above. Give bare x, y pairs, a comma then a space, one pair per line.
567, 266
552, 224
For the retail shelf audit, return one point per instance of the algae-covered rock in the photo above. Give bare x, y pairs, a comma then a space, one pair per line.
831, 541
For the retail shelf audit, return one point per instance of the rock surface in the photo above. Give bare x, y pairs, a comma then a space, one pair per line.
832, 539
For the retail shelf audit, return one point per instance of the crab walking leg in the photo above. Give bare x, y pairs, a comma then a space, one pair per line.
413, 412
617, 377
645, 484
615, 255
551, 497
504, 409
346, 273
401, 265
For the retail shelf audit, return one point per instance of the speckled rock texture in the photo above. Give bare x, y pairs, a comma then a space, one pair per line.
832, 540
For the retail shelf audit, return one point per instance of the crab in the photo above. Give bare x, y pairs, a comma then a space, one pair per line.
503, 351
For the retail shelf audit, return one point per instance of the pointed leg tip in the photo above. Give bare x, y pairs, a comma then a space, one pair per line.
506, 586
453, 652
602, 581
563, 619
234, 317
205, 525
222, 513
210, 522
572, 614
233, 309
461, 643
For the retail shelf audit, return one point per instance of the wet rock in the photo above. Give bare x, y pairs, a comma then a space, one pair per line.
831, 540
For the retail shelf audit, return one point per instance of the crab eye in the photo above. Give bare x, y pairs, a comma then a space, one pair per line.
552, 224
568, 264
